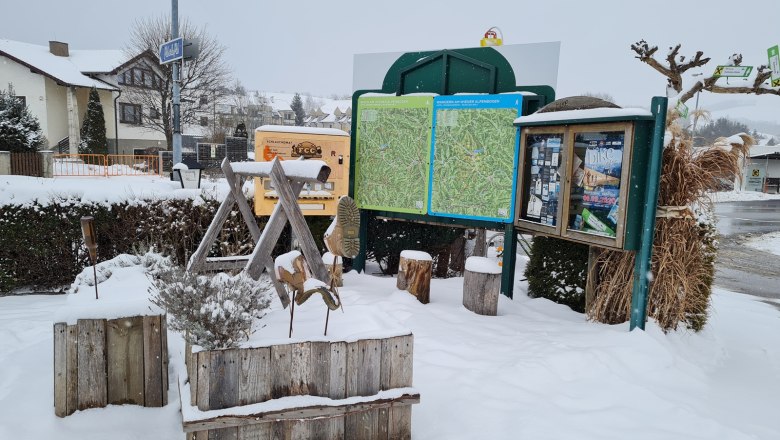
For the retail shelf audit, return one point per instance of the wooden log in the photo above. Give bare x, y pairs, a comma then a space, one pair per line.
72, 369
164, 350
92, 364
254, 383
224, 381
60, 369
299, 413
125, 358
300, 362
235, 184
481, 286
153, 386
414, 274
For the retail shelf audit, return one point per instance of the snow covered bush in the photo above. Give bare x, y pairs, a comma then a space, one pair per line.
212, 311
557, 271
20, 131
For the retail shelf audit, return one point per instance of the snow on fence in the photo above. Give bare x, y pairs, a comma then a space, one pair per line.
105, 165
331, 389
98, 362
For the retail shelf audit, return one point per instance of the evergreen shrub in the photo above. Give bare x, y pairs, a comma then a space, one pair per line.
558, 271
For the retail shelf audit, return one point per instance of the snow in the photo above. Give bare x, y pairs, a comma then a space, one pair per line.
327, 257
593, 113
301, 130
314, 283
20, 190
741, 196
302, 169
285, 261
114, 300
97, 61
180, 166
767, 242
61, 68
537, 370
482, 265
416, 255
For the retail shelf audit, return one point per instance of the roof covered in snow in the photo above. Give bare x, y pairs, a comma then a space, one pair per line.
97, 61
580, 115
64, 70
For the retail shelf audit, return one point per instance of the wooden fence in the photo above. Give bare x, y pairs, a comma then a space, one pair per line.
98, 362
26, 164
337, 370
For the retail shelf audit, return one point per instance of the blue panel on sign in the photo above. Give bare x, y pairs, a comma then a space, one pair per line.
474, 157
171, 50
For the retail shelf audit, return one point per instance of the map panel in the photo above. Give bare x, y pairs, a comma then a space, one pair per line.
474, 156
392, 145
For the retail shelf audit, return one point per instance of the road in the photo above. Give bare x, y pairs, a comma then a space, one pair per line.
741, 268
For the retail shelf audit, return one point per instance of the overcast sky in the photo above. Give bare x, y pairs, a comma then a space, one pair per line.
303, 46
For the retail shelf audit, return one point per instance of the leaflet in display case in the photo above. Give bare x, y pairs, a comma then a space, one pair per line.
583, 180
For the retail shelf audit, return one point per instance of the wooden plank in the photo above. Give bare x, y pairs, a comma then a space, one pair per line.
92, 364
281, 363
60, 369
125, 358
204, 374
192, 372
400, 423
288, 200
338, 370
220, 265
299, 369
319, 370
363, 379
299, 413
300, 429
164, 350
260, 431
72, 369
254, 383
281, 431
153, 387
363, 425
383, 423
235, 188
592, 277
223, 383
224, 433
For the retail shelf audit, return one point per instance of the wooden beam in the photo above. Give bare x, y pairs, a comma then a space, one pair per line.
298, 413
234, 183
199, 257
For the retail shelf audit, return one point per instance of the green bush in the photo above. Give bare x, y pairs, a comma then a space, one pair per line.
558, 271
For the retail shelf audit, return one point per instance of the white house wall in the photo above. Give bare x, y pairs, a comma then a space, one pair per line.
56, 111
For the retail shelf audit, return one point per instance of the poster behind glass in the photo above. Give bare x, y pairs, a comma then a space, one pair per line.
596, 177
542, 181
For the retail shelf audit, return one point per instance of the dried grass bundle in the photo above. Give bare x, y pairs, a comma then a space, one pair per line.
684, 247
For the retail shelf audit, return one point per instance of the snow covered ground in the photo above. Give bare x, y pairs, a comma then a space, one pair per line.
742, 196
766, 242
536, 371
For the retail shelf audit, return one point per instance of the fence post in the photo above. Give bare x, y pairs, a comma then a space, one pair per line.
5, 163
47, 163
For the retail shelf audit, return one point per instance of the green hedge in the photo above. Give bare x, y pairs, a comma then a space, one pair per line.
557, 270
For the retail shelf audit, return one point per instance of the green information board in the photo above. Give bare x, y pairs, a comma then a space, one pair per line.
474, 156
393, 144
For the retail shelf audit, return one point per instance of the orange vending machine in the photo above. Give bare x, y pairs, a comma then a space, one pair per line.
290, 143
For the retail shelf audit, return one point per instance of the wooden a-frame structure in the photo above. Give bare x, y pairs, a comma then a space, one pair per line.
288, 179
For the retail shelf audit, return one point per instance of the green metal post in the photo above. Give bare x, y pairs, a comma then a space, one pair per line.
359, 262
643, 255
508, 261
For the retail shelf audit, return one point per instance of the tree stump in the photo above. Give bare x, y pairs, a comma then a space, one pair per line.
481, 285
414, 274
335, 269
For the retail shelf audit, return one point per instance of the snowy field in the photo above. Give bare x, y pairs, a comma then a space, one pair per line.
767, 242
742, 196
536, 371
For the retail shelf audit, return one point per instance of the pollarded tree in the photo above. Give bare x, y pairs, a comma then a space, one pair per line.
19, 129
204, 79
93, 131
674, 65
297, 106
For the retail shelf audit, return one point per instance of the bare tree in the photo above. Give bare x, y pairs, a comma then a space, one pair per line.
203, 79
674, 65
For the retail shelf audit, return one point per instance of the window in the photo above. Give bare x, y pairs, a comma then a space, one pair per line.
204, 121
154, 113
129, 113
139, 77
204, 100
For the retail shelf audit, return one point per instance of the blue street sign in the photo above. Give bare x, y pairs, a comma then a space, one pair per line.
172, 50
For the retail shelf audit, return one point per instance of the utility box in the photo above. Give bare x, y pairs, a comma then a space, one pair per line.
291, 143
583, 175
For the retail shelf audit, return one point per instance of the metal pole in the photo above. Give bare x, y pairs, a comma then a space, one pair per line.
176, 86
645, 252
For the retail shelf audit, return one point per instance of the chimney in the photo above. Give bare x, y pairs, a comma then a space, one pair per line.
59, 48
